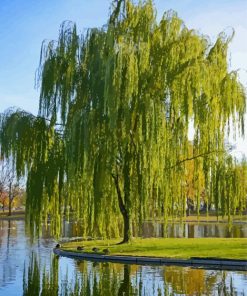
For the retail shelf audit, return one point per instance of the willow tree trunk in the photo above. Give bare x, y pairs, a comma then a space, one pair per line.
127, 233
125, 287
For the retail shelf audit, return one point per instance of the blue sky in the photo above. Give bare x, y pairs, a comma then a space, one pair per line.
24, 24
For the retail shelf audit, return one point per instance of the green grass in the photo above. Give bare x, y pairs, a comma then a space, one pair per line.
232, 248
15, 215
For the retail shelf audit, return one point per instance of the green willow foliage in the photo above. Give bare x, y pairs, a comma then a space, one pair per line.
123, 96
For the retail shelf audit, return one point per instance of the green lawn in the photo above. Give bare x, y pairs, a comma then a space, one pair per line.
234, 248
16, 215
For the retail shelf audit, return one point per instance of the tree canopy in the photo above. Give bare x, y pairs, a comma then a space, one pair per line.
111, 134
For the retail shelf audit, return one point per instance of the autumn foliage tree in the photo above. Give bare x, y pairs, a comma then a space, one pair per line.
10, 187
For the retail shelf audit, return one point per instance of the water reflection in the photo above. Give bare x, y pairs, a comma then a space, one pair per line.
176, 230
194, 230
92, 278
7, 271
15, 249
46, 275
36, 282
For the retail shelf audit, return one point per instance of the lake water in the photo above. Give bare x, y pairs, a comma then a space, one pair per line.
176, 230
104, 278
195, 230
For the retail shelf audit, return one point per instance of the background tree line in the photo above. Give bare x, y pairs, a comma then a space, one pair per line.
12, 193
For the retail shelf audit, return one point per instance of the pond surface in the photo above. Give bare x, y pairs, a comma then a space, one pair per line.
195, 230
99, 278
176, 230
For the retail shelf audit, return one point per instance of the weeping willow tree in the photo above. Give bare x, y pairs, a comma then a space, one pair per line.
111, 136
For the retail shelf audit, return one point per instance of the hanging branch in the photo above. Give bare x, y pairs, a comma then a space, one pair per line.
116, 11
195, 157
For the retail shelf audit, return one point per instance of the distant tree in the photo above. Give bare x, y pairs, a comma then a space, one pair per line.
3, 194
10, 187
3, 198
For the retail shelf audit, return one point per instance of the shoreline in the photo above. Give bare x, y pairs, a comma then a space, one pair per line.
207, 252
199, 222
10, 218
14, 216
214, 263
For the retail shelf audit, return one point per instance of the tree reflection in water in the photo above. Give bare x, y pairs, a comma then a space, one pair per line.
8, 237
36, 282
104, 278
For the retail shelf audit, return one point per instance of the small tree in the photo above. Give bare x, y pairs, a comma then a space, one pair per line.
3, 179
9, 185
14, 191
3, 198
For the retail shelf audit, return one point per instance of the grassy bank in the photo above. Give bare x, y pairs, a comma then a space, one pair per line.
16, 215
235, 248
